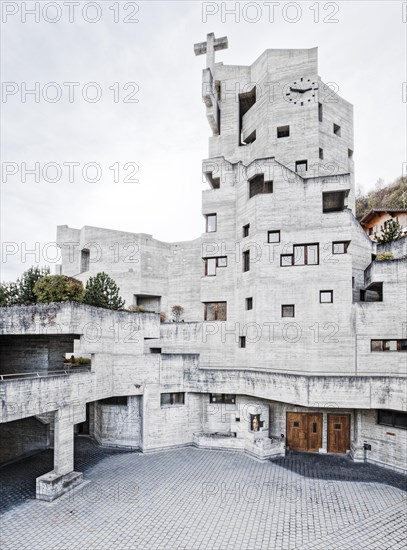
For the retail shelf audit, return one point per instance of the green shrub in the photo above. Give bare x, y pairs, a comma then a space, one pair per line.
58, 288
136, 309
384, 256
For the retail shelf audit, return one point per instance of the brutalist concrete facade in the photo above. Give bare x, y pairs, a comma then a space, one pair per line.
285, 306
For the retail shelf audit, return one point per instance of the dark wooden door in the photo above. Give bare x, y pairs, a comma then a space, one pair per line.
338, 433
314, 432
304, 431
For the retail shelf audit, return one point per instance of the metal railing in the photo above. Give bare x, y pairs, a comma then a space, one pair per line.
43, 374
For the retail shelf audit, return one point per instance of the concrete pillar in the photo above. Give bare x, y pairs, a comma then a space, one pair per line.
62, 478
63, 442
356, 446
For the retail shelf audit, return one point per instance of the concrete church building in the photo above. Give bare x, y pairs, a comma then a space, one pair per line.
293, 337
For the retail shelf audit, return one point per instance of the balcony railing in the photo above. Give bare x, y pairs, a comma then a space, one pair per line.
44, 374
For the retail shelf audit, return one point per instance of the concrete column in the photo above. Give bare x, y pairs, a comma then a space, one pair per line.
62, 478
356, 445
63, 442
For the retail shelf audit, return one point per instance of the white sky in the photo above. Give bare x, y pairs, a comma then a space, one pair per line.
166, 132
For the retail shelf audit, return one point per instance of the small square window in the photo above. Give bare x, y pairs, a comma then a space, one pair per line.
376, 345
249, 303
211, 223
246, 230
337, 130
273, 236
326, 296
287, 311
222, 261
296, 424
242, 341
321, 153
283, 131
301, 166
340, 247
286, 260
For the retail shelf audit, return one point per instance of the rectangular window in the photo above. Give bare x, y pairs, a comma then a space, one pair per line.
340, 247
283, 131
320, 112
242, 341
286, 260
337, 130
257, 186
326, 296
155, 350
85, 260
388, 345
227, 398
306, 254
273, 236
249, 303
212, 263
350, 153
246, 230
395, 419
211, 223
287, 310
246, 102
120, 400
215, 311
246, 260
321, 153
168, 399
301, 166
333, 201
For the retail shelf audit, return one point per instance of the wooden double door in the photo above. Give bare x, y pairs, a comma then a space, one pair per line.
304, 431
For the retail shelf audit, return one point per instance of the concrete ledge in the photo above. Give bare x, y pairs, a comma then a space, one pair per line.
52, 485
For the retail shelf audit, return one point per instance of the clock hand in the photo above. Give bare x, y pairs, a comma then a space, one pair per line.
299, 90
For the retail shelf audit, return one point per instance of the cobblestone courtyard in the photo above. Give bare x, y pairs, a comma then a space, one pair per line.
195, 499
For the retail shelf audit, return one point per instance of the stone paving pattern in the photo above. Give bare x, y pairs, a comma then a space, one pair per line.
200, 499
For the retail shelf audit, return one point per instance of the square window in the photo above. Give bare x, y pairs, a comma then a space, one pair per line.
326, 296
403, 345
242, 341
337, 130
215, 311
211, 223
222, 261
283, 131
340, 247
333, 201
296, 424
246, 230
249, 303
286, 260
287, 310
258, 186
389, 345
301, 166
273, 236
376, 345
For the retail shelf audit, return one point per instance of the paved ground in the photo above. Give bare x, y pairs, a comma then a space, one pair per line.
193, 499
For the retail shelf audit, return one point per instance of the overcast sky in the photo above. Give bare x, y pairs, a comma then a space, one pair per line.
165, 133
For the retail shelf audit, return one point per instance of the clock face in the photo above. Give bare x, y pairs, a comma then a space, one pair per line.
301, 91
